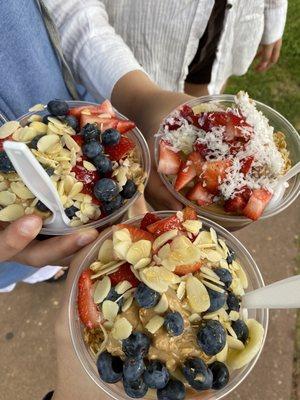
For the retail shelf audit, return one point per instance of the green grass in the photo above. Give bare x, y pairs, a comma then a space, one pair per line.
280, 86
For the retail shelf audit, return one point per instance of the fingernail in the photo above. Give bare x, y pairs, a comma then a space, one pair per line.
87, 237
30, 226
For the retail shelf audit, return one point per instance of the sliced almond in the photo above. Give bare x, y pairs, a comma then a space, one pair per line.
181, 290
77, 188
164, 238
234, 343
212, 255
223, 264
243, 277
164, 251
210, 272
192, 226
189, 255
108, 325
223, 245
223, 354
138, 250
211, 279
102, 289
163, 304
155, 324
212, 286
158, 278
122, 287
213, 235
71, 144
121, 249
7, 198
89, 166
142, 263
11, 212
68, 184
135, 272
197, 295
234, 315
39, 127
121, 235
8, 129
25, 134
96, 265
108, 269
122, 329
127, 303
21, 190
193, 318
37, 107
180, 242
106, 253
46, 142
204, 237
110, 310
35, 117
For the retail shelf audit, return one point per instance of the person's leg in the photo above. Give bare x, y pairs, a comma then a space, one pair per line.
30, 70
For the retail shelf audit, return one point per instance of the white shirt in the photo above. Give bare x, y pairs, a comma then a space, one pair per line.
104, 40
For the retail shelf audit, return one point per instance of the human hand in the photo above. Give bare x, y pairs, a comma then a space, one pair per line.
17, 243
136, 96
268, 55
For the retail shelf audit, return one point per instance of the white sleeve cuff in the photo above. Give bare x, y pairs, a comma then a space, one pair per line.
274, 24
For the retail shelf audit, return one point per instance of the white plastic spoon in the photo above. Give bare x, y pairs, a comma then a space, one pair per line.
38, 182
281, 185
281, 294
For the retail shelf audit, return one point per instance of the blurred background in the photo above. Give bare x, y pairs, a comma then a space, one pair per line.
27, 314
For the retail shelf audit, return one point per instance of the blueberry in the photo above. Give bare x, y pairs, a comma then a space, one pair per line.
110, 137
145, 296
156, 375
137, 344
233, 302
92, 149
114, 296
217, 300
103, 164
224, 275
110, 368
211, 337
70, 211
113, 205
90, 132
45, 118
106, 189
57, 107
174, 390
135, 389
241, 330
133, 368
71, 121
220, 375
174, 323
49, 170
231, 256
34, 141
197, 374
41, 206
129, 189
5, 163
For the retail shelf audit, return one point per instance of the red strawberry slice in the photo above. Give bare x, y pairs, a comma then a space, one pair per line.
78, 139
124, 273
125, 126
201, 149
189, 213
164, 225
102, 123
188, 113
148, 219
188, 170
257, 203
199, 194
182, 270
87, 309
237, 203
120, 150
104, 108
246, 164
213, 174
136, 233
169, 161
85, 176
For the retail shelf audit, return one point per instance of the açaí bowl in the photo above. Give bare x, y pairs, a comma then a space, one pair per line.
88, 361
234, 222
144, 157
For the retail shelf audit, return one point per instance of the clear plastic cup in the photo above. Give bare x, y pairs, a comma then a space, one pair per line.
88, 361
234, 222
144, 157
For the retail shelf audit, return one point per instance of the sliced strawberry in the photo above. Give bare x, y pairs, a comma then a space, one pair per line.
246, 164
197, 161
199, 194
120, 150
87, 309
169, 161
188, 113
189, 213
257, 203
136, 233
85, 176
182, 270
148, 219
188, 170
213, 174
164, 225
124, 273
102, 123
236, 204
106, 108
201, 149
125, 126
78, 139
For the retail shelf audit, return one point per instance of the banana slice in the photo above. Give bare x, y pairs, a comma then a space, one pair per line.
138, 250
106, 253
197, 295
239, 358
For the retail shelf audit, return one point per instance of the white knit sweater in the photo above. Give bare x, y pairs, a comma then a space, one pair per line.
104, 40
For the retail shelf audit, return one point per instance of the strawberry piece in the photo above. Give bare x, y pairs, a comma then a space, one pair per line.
199, 194
87, 309
164, 225
236, 204
78, 139
257, 203
169, 161
189, 213
136, 233
120, 150
148, 219
188, 113
124, 273
213, 174
246, 164
182, 270
188, 170
197, 161
201, 149
125, 126
104, 108
102, 123
85, 176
